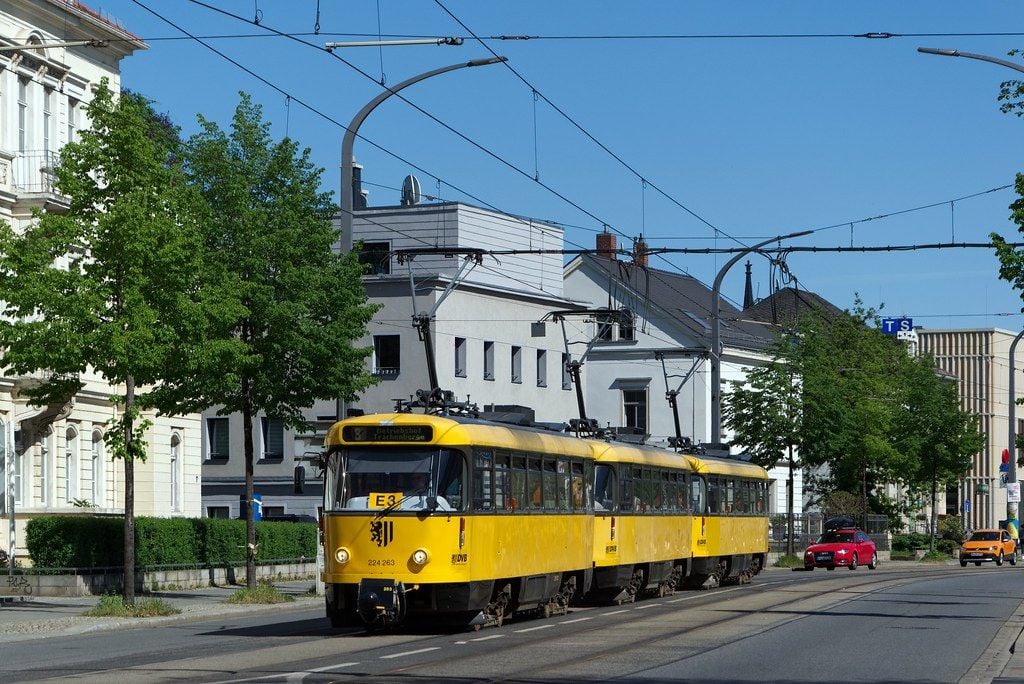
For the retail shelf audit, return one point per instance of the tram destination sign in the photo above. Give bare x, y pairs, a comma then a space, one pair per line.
387, 433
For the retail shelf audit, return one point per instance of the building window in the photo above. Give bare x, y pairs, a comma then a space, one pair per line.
566, 375
517, 364
70, 465
627, 325
375, 255
22, 114
47, 119
387, 358
217, 445
542, 368
45, 456
460, 357
273, 438
98, 481
175, 473
634, 406
488, 360
604, 327
19, 469
72, 119
271, 511
222, 512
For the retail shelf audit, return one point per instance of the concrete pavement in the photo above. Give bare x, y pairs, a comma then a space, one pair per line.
42, 617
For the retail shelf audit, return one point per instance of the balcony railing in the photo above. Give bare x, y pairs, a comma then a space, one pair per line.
32, 172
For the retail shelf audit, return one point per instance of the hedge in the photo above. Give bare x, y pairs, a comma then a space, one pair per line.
95, 541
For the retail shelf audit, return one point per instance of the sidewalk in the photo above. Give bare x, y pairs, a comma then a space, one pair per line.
40, 617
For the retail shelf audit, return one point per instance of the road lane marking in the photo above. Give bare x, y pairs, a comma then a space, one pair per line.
569, 622
533, 629
646, 606
616, 612
488, 638
408, 653
289, 676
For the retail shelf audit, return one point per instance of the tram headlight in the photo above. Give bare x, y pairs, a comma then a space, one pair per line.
342, 555
420, 557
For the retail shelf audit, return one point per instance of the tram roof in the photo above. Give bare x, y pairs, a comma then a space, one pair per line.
461, 430
707, 465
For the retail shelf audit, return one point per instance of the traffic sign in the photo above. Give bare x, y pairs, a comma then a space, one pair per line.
891, 326
1004, 467
1002, 480
1013, 492
967, 505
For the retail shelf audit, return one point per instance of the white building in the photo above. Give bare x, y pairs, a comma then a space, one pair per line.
59, 464
487, 346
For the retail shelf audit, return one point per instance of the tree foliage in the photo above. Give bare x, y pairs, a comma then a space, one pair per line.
285, 308
865, 414
107, 285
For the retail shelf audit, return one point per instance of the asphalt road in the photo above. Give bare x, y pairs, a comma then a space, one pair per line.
931, 624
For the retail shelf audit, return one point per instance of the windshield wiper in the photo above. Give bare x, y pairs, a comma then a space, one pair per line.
390, 508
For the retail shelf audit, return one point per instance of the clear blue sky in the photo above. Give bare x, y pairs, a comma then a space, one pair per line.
758, 136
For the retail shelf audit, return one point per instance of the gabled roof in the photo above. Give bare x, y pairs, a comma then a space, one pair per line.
684, 298
787, 305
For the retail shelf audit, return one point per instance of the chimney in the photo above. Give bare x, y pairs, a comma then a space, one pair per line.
640, 252
748, 291
606, 245
358, 194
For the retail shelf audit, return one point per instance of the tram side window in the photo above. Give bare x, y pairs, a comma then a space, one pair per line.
580, 490
564, 500
550, 485
503, 497
588, 485
730, 495
675, 493
451, 476
762, 498
520, 500
698, 495
483, 480
714, 496
604, 488
534, 485
626, 490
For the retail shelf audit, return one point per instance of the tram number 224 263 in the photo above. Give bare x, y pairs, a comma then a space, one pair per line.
380, 562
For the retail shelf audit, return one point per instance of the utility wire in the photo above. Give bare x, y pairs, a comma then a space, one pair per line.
643, 179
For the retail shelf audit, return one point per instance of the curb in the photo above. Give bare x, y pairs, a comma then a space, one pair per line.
105, 624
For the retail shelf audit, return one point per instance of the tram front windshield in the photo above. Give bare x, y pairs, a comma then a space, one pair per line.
396, 478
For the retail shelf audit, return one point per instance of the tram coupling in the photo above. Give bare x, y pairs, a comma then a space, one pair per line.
381, 603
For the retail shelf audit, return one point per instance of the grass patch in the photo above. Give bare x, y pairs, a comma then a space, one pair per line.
935, 557
263, 593
789, 562
114, 606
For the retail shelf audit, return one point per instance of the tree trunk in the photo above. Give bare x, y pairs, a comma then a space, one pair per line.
864, 498
128, 590
250, 520
790, 543
931, 516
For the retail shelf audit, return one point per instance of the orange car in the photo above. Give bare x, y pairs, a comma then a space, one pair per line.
988, 545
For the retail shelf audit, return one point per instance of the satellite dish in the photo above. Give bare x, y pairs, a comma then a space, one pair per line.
410, 191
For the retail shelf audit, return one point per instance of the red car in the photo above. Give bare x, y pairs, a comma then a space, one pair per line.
847, 546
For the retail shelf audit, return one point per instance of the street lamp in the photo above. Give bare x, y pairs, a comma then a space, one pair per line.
971, 55
347, 161
716, 333
1011, 474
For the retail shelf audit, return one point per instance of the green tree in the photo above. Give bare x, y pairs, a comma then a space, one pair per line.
108, 284
289, 307
765, 413
934, 436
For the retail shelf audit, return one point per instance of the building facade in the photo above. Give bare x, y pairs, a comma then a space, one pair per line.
491, 339
55, 460
980, 361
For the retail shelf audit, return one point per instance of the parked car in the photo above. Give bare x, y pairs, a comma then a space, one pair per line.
289, 517
847, 546
988, 545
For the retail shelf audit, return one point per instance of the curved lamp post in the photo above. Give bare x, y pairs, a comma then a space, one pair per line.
716, 333
1011, 475
347, 161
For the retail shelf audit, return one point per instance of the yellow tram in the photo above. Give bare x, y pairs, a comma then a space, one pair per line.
642, 521
730, 520
460, 519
